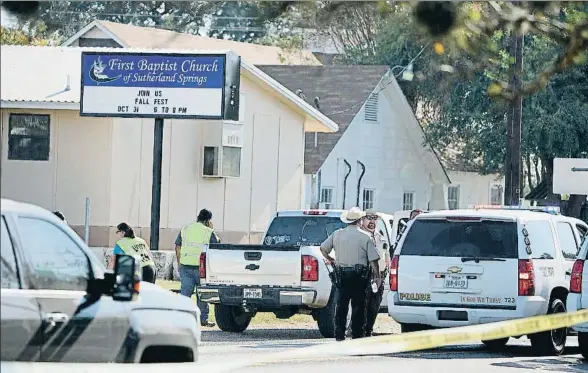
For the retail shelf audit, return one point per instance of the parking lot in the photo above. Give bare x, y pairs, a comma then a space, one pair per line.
261, 339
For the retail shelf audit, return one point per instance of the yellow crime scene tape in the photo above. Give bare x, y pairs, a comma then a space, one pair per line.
386, 344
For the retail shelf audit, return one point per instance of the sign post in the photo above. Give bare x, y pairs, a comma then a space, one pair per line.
160, 86
156, 185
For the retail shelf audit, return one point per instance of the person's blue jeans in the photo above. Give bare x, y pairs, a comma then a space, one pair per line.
189, 280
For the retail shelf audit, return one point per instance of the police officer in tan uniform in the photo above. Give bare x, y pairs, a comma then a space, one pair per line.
356, 259
375, 298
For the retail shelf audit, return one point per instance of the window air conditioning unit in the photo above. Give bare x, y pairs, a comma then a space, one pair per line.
221, 153
222, 146
221, 161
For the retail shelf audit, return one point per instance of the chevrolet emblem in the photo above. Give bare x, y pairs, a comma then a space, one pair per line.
454, 269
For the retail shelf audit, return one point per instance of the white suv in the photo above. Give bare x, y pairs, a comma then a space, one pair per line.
474, 266
578, 297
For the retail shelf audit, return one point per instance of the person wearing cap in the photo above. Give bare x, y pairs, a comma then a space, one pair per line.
375, 299
191, 241
357, 257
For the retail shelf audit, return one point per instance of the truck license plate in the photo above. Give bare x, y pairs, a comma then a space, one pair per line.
252, 293
456, 282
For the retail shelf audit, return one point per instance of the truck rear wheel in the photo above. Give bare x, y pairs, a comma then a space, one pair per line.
231, 318
326, 317
551, 342
583, 343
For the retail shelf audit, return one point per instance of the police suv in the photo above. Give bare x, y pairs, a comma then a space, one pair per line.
578, 297
482, 265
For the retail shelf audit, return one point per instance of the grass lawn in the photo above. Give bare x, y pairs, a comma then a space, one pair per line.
259, 319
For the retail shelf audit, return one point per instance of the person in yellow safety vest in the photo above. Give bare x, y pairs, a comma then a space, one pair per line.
191, 240
129, 244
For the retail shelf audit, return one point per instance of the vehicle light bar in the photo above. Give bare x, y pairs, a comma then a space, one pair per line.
314, 212
555, 210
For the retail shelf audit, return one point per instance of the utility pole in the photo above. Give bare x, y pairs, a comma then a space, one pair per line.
513, 179
517, 123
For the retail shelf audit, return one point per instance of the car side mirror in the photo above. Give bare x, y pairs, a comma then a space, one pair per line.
127, 278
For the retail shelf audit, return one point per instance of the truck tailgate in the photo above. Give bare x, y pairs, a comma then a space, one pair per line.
253, 265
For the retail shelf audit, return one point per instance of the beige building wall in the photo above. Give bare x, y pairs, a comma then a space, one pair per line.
110, 161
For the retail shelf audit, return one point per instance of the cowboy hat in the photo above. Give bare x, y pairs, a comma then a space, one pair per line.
351, 215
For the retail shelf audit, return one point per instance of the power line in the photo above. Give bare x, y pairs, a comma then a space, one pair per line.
167, 15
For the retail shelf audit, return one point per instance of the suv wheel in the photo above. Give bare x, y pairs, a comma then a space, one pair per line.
583, 343
496, 344
409, 328
231, 318
551, 342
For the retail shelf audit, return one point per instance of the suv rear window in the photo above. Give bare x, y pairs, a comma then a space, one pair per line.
301, 230
483, 239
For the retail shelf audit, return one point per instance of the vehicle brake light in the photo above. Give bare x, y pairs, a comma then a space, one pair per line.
394, 273
576, 280
526, 278
202, 268
309, 268
314, 212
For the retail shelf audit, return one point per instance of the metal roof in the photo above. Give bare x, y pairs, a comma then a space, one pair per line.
132, 36
37, 76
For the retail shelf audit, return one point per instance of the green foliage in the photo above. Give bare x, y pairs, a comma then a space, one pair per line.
19, 37
240, 21
455, 110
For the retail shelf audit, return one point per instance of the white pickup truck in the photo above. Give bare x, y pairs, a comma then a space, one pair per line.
285, 275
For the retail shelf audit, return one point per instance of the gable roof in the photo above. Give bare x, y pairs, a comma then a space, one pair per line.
36, 77
130, 36
342, 91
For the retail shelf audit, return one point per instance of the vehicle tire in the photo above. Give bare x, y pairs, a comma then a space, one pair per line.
551, 342
409, 328
326, 318
231, 318
496, 344
583, 343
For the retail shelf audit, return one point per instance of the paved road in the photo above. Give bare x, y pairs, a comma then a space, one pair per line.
219, 347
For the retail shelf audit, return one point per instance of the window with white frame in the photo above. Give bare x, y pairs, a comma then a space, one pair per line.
368, 199
408, 201
327, 198
371, 109
453, 197
496, 194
